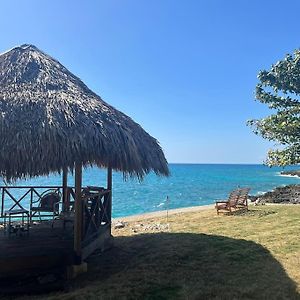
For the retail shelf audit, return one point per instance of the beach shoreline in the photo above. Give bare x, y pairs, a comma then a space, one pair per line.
163, 213
174, 211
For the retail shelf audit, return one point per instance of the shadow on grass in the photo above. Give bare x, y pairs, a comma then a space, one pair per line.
251, 212
185, 266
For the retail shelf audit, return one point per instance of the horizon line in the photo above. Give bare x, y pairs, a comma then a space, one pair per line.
206, 163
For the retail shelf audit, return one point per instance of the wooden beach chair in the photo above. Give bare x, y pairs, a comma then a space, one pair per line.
243, 199
229, 204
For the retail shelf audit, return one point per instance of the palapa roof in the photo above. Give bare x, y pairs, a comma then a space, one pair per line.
49, 119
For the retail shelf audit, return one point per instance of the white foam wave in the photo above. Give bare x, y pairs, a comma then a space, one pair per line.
260, 193
285, 175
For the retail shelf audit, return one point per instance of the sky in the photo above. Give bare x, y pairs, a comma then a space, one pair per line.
186, 71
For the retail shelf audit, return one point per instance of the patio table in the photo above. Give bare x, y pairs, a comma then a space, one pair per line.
23, 226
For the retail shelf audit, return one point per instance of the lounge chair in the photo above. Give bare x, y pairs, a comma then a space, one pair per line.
227, 205
47, 203
237, 199
243, 199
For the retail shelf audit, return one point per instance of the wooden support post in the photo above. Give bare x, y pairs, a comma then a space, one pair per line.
109, 187
78, 214
66, 204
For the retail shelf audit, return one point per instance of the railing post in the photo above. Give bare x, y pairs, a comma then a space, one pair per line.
109, 196
66, 203
2, 202
78, 214
31, 199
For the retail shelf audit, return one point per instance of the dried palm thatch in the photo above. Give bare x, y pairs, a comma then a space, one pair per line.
49, 119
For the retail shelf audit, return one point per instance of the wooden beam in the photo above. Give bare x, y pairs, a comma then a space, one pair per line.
109, 187
102, 241
78, 214
66, 203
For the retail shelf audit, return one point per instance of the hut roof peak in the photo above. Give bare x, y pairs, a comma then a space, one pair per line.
27, 46
22, 47
28, 65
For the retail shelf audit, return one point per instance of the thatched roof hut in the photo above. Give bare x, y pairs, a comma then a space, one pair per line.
49, 119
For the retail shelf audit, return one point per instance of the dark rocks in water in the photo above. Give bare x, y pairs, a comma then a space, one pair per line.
289, 194
291, 173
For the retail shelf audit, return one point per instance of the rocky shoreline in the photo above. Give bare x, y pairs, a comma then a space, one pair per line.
289, 194
291, 173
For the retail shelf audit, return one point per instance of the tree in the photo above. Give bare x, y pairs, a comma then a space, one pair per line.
279, 88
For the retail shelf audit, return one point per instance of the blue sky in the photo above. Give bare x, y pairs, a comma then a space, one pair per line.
185, 70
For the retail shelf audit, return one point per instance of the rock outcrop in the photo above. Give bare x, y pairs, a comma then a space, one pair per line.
289, 194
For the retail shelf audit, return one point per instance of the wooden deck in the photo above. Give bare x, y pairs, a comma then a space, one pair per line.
43, 248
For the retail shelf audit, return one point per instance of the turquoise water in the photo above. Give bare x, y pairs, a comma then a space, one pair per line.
188, 185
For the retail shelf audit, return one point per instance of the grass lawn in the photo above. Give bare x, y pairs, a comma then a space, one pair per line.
253, 255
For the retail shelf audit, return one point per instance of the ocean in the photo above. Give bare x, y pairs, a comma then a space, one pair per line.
188, 185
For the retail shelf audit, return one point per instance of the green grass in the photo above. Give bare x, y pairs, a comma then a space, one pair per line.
254, 255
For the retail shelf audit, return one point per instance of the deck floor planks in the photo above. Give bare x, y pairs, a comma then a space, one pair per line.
44, 247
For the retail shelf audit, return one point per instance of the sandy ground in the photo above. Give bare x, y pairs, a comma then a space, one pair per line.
163, 213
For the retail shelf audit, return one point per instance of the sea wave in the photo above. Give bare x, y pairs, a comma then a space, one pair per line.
286, 175
259, 193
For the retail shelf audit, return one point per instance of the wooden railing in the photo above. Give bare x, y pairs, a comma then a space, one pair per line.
22, 197
96, 204
96, 213
95, 217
